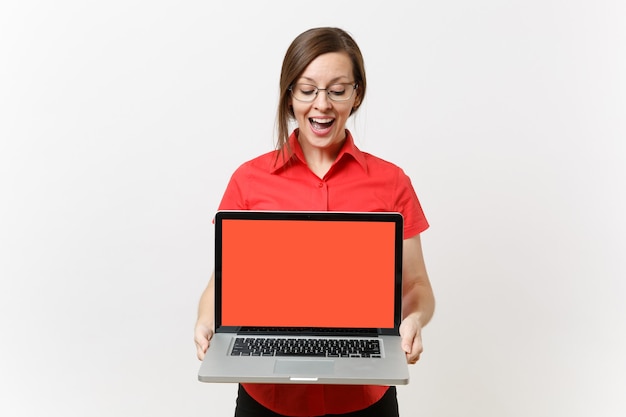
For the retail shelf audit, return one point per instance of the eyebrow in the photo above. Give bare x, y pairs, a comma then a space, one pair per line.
331, 82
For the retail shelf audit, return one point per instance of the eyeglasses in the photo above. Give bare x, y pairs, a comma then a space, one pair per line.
336, 92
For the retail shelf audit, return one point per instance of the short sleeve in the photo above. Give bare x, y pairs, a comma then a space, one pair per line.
234, 196
409, 205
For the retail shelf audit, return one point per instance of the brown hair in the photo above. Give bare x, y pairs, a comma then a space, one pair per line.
303, 50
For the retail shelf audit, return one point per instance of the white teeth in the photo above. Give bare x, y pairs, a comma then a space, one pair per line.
322, 120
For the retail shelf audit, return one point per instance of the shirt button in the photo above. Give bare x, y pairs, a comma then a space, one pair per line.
321, 184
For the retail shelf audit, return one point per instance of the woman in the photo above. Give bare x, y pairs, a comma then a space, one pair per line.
318, 167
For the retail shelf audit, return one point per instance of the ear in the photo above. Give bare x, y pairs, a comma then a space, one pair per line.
290, 108
357, 100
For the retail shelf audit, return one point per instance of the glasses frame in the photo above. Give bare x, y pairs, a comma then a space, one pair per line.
317, 90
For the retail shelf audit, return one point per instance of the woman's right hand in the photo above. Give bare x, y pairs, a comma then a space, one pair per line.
202, 338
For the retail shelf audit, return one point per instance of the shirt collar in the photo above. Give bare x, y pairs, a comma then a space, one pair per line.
348, 148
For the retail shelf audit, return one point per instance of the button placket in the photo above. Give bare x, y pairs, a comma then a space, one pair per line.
322, 186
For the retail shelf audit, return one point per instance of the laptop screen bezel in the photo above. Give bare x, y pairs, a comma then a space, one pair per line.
392, 217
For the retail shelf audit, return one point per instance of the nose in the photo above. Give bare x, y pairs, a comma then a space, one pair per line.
321, 100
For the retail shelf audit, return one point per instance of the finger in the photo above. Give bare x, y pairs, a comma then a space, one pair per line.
412, 354
407, 346
412, 358
202, 343
416, 352
200, 353
412, 346
201, 347
408, 341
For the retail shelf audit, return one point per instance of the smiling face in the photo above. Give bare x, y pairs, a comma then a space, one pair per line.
322, 122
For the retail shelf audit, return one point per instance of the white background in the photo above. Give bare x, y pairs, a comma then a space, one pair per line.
121, 122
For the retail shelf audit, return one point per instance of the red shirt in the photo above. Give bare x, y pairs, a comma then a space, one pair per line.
357, 181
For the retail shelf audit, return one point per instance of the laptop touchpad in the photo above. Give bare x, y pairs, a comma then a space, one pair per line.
303, 367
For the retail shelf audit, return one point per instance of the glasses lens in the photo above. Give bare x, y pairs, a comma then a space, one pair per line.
340, 92
335, 92
304, 92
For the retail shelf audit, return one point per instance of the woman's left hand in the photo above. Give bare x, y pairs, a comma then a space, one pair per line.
411, 334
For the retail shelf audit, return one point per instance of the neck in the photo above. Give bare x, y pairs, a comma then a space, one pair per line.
319, 160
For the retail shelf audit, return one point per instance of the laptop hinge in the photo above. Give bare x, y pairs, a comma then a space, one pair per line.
310, 331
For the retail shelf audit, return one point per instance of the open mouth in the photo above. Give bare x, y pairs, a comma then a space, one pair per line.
321, 124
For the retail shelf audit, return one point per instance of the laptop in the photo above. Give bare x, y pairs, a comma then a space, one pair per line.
307, 297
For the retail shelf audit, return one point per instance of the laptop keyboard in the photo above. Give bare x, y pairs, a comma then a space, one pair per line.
306, 347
